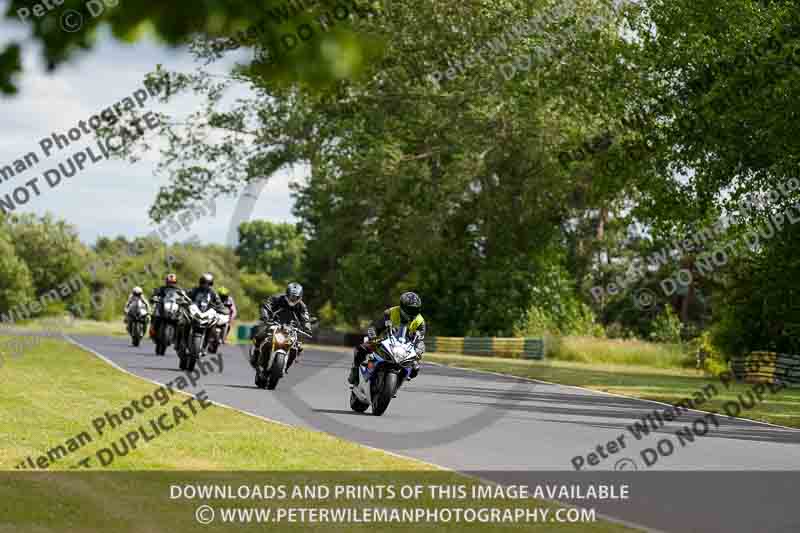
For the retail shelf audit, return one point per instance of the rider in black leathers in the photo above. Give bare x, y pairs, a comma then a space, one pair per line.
170, 282
203, 292
280, 308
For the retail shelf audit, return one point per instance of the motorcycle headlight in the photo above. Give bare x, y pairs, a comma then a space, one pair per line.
399, 353
280, 338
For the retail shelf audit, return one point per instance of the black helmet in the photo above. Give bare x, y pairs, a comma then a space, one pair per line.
410, 305
206, 280
294, 293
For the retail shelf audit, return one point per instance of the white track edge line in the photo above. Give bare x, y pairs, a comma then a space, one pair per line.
610, 394
611, 519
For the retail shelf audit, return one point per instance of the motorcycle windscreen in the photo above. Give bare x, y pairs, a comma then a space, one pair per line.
203, 302
385, 349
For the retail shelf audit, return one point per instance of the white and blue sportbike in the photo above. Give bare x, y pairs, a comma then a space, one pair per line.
384, 371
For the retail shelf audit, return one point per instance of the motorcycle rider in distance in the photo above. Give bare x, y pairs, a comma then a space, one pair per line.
203, 292
407, 313
227, 301
280, 308
136, 294
170, 282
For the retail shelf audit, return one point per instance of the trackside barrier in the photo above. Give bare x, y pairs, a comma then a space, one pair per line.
512, 347
767, 367
516, 348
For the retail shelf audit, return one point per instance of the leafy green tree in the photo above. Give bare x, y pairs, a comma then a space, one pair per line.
407, 175
273, 248
50, 248
16, 284
335, 49
557, 309
258, 287
716, 81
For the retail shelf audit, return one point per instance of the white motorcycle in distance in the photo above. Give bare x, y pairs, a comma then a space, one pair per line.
137, 318
384, 371
203, 320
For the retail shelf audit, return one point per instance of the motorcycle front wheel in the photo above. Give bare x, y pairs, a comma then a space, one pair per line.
168, 336
380, 402
136, 337
261, 381
276, 370
357, 405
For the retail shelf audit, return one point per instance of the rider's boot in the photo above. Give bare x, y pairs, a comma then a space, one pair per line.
353, 378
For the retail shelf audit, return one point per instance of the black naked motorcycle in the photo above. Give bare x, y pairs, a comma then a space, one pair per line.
168, 311
273, 360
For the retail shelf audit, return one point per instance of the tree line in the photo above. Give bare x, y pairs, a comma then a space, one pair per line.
505, 201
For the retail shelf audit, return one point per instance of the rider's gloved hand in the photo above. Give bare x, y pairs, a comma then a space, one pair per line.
371, 333
308, 326
420, 348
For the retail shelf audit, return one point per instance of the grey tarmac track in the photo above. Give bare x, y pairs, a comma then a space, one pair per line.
510, 429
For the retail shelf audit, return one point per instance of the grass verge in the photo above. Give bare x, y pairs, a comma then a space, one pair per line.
668, 385
54, 391
56, 325
617, 351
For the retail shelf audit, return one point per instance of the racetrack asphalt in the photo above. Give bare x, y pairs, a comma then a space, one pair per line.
503, 427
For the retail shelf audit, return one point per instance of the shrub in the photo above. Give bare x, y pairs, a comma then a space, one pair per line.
666, 327
714, 360
572, 317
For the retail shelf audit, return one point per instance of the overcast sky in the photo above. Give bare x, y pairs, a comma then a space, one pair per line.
111, 197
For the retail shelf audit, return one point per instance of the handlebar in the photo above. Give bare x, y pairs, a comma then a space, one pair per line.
292, 325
